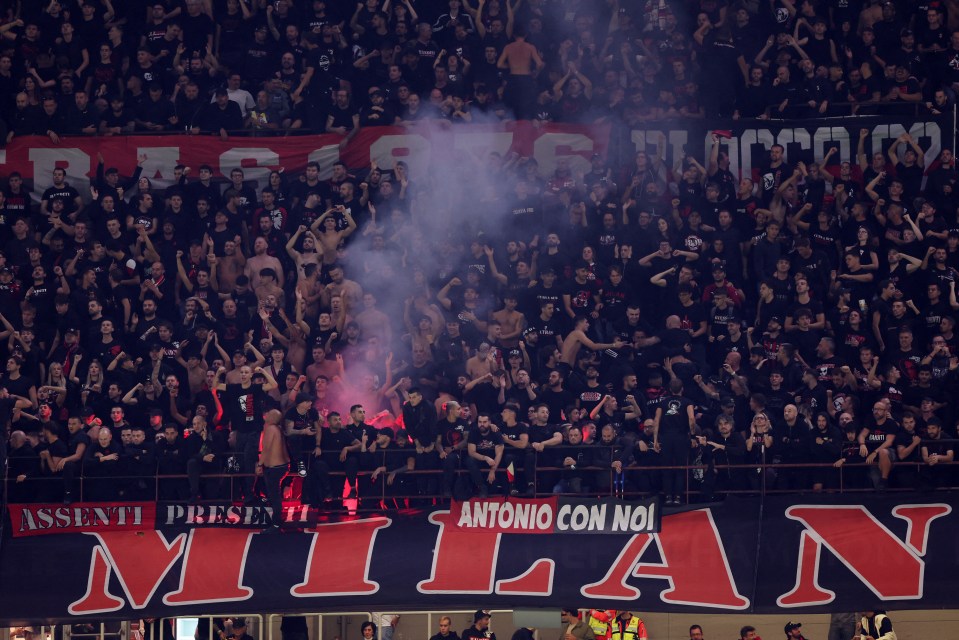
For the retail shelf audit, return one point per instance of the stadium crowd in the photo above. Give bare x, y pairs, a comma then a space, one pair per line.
575, 624
568, 332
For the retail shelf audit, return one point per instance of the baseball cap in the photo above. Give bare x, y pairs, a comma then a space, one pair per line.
480, 614
728, 402
515, 353
792, 625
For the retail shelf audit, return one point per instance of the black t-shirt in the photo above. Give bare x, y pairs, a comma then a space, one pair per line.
78, 438
57, 449
473, 632
514, 433
690, 317
541, 433
359, 429
335, 441
581, 296
770, 179
451, 434
877, 434
485, 443
245, 407
302, 422
675, 418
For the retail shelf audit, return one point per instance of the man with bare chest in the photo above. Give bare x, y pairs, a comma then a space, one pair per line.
519, 57
273, 464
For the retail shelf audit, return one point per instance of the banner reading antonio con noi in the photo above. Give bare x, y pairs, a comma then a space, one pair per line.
836, 554
557, 515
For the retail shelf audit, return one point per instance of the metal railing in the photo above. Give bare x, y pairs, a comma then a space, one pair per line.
636, 480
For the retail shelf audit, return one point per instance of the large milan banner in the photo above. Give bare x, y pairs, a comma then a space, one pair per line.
839, 554
423, 147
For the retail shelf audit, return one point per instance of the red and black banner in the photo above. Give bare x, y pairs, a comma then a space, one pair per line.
777, 556
488, 515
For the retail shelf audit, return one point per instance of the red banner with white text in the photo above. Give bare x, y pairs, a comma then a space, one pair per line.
423, 147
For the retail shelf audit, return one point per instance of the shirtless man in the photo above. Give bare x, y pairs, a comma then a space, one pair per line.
350, 291
511, 322
519, 56
260, 260
273, 464
229, 266
374, 322
324, 230
482, 364
576, 339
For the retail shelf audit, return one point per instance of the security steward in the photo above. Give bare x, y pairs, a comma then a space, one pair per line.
628, 627
599, 620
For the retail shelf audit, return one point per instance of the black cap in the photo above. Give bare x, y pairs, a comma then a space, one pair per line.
480, 614
220, 91
792, 625
776, 319
728, 402
73, 330
515, 353
111, 170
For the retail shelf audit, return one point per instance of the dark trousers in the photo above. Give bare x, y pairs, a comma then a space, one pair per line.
426, 482
272, 477
520, 96
300, 447
248, 446
478, 472
172, 488
318, 479
450, 464
208, 489
521, 472
674, 452
70, 470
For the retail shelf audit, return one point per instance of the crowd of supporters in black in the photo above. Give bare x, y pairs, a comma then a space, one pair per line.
109, 68
579, 329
